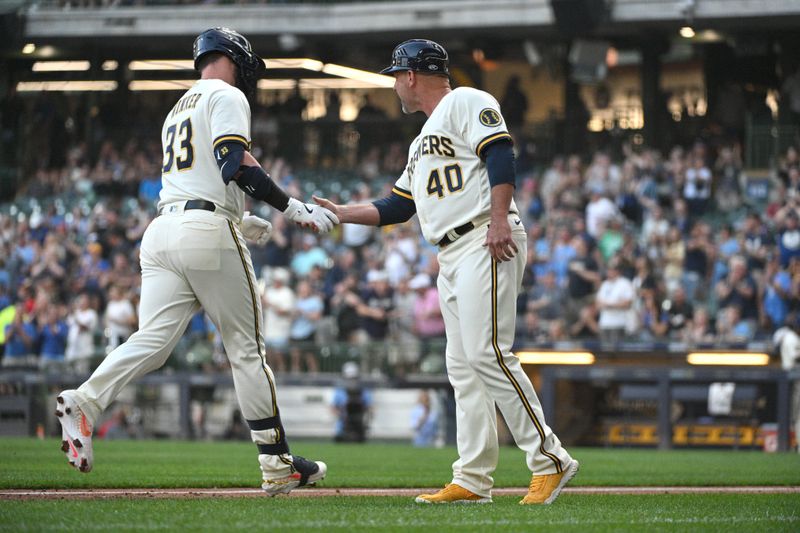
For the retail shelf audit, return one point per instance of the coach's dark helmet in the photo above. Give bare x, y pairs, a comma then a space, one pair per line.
234, 45
419, 55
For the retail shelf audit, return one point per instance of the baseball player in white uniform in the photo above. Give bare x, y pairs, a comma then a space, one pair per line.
193, 254
459, 181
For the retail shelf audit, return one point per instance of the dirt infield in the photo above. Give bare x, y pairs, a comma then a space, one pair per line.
20, 494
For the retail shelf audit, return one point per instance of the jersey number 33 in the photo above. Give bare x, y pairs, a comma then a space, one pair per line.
185, 157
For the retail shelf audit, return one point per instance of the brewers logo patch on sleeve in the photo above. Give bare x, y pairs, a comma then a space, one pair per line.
490, 117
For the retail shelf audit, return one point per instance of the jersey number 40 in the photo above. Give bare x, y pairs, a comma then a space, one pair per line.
185, 160
453, 179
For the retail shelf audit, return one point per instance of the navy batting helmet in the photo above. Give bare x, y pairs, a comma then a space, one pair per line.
237, 48
419, 55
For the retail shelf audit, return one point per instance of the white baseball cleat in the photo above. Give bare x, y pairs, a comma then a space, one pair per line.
76, 432
303, 472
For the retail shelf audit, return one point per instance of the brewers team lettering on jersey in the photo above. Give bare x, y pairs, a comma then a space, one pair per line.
445, 175
211, 112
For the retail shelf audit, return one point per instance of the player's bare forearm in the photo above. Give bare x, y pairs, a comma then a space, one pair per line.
501, 201
498, 239
364, 214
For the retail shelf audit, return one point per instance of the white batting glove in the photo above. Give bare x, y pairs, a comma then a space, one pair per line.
309, 214
256, 229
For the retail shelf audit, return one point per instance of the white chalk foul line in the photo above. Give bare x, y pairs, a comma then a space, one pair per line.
349, 492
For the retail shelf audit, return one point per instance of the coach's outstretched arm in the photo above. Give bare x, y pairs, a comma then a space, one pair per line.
394, 209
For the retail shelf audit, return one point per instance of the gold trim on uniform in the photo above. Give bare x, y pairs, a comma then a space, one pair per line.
512, 379
491, 138
233, 138
401, 192
261, 355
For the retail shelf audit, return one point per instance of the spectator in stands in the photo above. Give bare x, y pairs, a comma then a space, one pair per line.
352, 406
776, 293
120, 318
344, 263
650, 319
547, 299
643, 279
7, 314
563, 252
428, 321
726, 245
727, 170
787, 221
756, 245
374, 308
627, 200
738, 289
732, 327
569, 193
699, 252
551, 180
83, 322
277, 252
404, 347
602, 175
615, 300
402, 253
585, 326
677, 311
344, 304
599, 211
357, 236
557, 331
308, 310
49, 263
531, 330
92, 268
680, 216
278, 301
424, 421
655, 228
791, 158
699, 331
538, 250
53, 332
514, 103
309, 256
674, 255
583, 280
793, 180
22, 337
121, 273
612, 238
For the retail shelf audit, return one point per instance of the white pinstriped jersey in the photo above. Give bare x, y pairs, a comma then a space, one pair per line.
211, 112
445, 175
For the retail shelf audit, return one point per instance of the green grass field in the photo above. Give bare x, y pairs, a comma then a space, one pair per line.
35, 464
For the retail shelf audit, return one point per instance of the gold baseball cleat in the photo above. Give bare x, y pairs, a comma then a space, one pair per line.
544, 489
452, 493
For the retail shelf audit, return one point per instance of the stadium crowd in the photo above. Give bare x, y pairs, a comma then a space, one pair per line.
636, 247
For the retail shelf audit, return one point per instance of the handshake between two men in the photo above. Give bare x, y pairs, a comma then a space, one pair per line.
310, 216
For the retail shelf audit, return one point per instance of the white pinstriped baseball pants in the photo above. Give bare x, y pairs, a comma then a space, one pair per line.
190, 259
478, 300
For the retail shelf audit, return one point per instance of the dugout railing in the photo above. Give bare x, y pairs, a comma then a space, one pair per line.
23, 393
